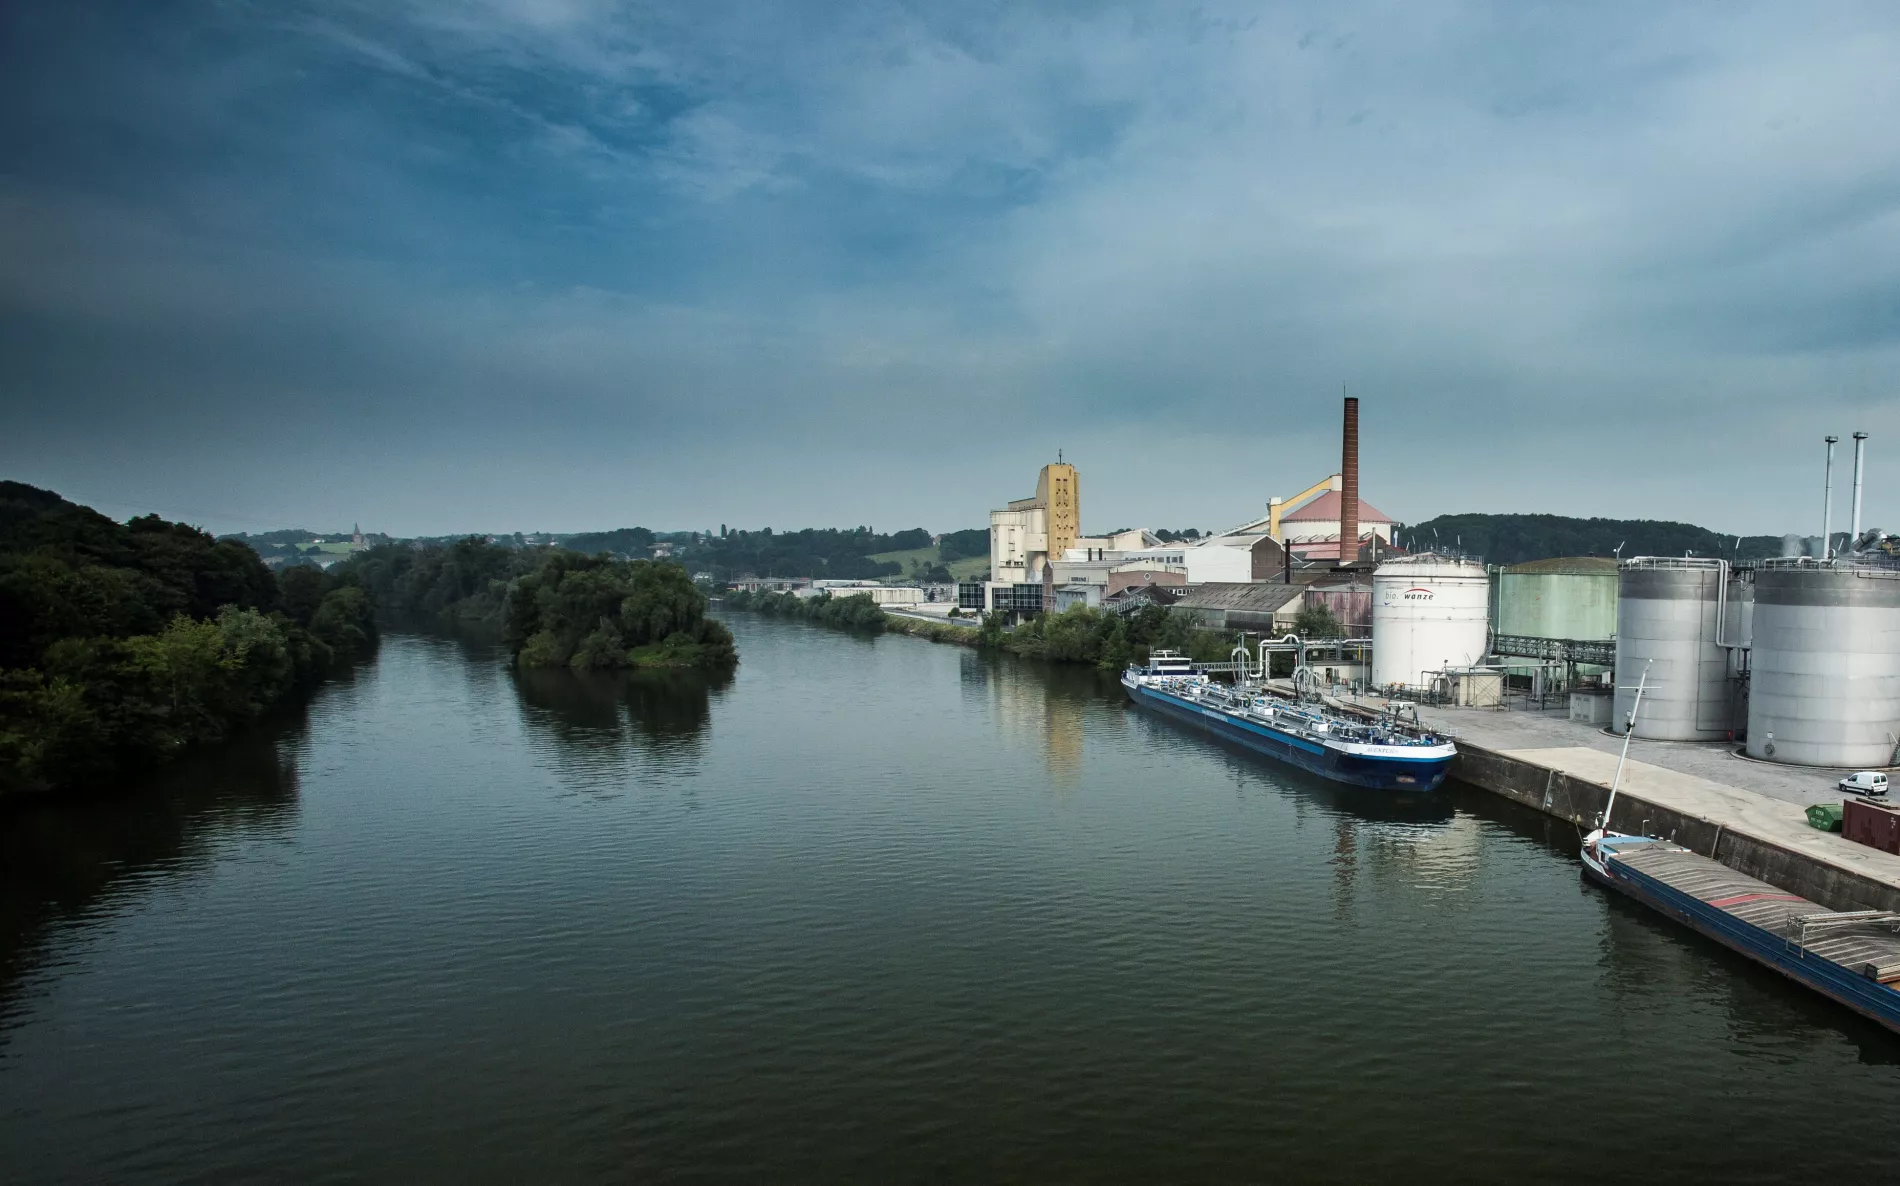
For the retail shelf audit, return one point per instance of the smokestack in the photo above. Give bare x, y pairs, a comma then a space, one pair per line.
1827, 506
1349, 485
1860, 444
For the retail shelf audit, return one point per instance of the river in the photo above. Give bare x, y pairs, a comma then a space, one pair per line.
867, 910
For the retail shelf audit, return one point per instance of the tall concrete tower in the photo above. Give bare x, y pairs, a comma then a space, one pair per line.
1057, 489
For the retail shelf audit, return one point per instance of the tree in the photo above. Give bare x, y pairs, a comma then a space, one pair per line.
1317, 621
592, 612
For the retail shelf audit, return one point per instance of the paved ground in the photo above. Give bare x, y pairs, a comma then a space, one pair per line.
1776, 820
1516, 729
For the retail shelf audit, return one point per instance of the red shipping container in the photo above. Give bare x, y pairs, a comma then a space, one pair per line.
1874, 824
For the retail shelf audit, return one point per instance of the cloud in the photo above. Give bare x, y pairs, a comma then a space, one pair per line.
1164, 234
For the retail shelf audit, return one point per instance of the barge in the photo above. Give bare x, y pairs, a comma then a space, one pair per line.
1384, 753
1852, 957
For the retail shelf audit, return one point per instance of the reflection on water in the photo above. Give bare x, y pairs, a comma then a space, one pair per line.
896, 911
610, 726
1040, 707
63, 858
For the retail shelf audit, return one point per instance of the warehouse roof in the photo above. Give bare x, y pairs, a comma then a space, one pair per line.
1249, 595
1325, 509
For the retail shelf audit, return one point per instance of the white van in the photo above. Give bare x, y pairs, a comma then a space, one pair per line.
1867, 782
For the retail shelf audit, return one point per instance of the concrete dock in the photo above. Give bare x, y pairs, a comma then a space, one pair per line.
1748, 815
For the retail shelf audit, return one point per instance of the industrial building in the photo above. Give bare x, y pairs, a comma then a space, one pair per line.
1024, 534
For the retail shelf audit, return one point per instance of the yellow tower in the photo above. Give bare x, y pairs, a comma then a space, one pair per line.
1060, 494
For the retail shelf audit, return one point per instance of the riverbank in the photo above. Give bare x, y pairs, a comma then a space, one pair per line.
1749, 816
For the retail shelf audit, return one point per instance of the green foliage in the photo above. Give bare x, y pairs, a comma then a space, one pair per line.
125, 643
1513, 539
959, 545
590, 612
1317, 621
858, 611
345, 621
1081, 634
466, 581
100, 704
632, 543
1077, 635
826, 554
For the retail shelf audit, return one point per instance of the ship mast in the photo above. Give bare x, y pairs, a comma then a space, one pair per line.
1629, 731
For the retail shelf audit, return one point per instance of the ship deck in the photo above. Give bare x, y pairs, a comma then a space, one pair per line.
1863, 942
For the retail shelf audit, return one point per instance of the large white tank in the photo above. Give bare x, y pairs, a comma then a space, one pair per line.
1428, 613
1826, 664
1667, 611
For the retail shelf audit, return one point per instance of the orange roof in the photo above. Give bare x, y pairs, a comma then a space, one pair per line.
1325, 509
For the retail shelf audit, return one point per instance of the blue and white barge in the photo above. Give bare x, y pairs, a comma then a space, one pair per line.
1385, 753
1850, 956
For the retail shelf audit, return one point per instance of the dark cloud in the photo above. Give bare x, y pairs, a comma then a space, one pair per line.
535, 263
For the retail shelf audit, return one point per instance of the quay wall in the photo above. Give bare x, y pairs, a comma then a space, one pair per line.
1579, 800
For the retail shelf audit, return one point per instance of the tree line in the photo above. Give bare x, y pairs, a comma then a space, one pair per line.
555, 607
1514, 539
122, 644
1079, 634
855, 611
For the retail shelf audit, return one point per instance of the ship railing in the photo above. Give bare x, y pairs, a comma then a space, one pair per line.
1799, 927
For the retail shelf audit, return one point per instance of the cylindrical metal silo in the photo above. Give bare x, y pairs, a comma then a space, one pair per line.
1428, 613
1666, 617
1569, 597
1826, 664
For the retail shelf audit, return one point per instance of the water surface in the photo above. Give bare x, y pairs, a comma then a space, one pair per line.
868, 910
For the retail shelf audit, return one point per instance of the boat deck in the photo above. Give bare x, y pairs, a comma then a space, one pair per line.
1866, 942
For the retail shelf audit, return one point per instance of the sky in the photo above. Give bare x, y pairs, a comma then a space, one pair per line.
515, 265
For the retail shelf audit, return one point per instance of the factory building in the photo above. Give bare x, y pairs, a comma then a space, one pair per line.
1024, 534
1245, 606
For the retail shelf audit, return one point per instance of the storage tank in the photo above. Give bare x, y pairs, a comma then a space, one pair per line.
1569, 597
1428, 613
1667, 611
1826, 664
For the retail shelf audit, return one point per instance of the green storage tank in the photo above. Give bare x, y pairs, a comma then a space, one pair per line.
1568, 597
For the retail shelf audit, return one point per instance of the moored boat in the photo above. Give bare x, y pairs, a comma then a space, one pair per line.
1386, 752
1852, 957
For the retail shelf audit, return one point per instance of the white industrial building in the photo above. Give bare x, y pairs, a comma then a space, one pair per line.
880, 593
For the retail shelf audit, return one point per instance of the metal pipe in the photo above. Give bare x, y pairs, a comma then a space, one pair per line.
1860, 449
1827, 506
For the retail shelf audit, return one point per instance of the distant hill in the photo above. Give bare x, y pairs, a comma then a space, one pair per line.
633, 542
1513, 539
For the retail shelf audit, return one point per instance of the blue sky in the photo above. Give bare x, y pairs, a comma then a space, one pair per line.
564, 264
